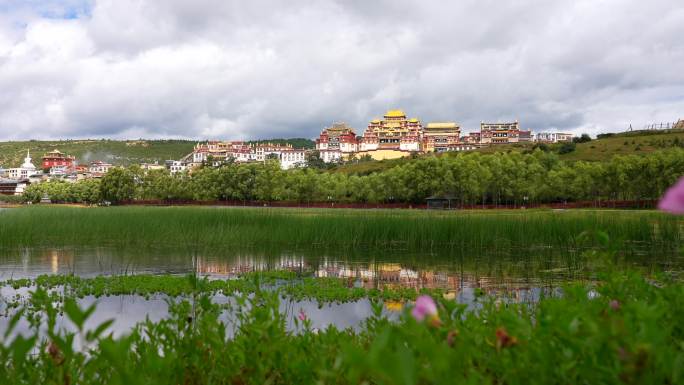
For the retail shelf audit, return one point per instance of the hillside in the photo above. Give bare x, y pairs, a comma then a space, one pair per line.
138, 151
118, 152
603, 148
113, 151
609, 145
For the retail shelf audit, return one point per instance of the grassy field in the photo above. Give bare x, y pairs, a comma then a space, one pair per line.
220, 228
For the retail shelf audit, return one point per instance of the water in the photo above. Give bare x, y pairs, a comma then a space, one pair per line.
487, 268
518, 276
127, 311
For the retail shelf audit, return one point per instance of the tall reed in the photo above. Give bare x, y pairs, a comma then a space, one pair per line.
232, 228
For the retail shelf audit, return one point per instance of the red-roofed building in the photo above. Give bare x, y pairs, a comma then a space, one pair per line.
55, 158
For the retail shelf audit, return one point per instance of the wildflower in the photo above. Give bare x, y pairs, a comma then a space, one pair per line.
302, 316
451, 337
673, 200
394, 305
426, 307
503, 340
614, 304
55, 353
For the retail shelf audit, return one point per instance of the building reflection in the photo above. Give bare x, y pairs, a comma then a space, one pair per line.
59, 261
240, 265
381, 275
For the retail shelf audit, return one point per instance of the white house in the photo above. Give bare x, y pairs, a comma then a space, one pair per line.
553, 137
329, 156
292, 158
176, 166
99, 168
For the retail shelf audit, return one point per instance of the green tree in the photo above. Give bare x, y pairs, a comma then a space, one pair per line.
118, 185
313, 160
584, 138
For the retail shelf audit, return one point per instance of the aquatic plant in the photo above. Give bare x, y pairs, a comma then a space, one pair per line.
286, 284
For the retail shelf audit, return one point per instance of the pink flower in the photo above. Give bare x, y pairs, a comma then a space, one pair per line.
425, 306
614, 304
302, 315
673, 200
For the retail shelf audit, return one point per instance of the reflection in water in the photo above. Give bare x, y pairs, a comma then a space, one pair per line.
54, 259
513, 269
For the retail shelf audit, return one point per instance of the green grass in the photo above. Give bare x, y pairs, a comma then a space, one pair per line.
204, 228
371, 166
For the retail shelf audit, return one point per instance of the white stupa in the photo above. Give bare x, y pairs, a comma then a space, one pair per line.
27, 162
26, 170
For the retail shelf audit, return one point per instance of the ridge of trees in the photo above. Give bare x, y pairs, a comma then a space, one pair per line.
473, 178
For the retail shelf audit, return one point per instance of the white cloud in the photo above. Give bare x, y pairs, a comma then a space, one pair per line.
259, 69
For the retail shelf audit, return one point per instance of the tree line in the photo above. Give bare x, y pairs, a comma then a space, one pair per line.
512, 178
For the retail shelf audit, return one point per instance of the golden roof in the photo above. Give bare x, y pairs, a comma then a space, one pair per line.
395, 113
414, 120
442, 125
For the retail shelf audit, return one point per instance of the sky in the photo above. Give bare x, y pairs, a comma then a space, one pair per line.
223, 69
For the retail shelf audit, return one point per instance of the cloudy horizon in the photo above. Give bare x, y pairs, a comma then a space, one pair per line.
212, 69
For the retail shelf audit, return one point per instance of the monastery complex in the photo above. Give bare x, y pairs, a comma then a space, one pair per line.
396, 135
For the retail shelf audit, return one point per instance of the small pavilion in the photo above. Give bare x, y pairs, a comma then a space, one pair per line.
441, 202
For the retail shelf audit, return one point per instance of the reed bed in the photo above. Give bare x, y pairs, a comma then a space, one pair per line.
206, 228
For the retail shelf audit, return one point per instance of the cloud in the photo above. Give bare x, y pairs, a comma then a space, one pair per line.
263, 69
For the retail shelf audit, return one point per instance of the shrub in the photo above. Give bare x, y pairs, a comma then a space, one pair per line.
566, 148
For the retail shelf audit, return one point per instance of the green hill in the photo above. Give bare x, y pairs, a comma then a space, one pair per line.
601, 149
117, 152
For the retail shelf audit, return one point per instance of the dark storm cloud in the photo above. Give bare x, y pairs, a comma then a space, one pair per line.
263, 69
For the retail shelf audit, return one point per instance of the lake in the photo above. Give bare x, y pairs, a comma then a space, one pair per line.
512, 256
